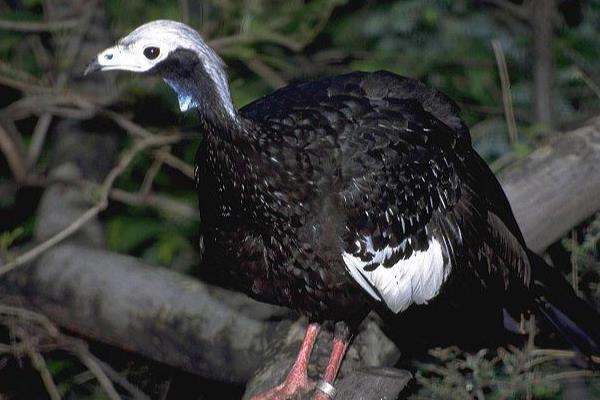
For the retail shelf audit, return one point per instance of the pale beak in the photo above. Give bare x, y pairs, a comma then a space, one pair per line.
114, 58
107, 59
93, 66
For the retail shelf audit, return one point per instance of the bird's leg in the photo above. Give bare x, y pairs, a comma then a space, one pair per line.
297, 379
341, 338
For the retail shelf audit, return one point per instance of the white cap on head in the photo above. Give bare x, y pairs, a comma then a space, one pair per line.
152, 43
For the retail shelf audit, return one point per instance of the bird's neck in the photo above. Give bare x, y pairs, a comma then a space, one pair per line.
204, 88
228, 177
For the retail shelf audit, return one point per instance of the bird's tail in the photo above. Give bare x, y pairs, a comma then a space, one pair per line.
558, 304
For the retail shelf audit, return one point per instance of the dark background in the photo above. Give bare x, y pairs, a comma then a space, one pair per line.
112, 157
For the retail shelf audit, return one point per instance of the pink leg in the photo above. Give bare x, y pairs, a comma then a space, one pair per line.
297, 379
335, 360
340, 345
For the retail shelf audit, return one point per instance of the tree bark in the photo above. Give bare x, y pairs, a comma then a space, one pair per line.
543, 35
557, 186
149, 310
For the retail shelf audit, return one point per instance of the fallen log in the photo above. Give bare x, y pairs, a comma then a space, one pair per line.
557, 186
149, 310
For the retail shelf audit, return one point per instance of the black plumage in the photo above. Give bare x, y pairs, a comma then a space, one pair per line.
307, 194
315, 165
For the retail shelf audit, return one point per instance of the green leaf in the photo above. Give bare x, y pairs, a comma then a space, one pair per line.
126, 233
57, 366
9, 237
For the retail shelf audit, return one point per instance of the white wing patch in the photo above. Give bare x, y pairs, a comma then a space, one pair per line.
416, 279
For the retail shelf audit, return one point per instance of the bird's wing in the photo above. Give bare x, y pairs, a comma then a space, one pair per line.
402, 182
418, 202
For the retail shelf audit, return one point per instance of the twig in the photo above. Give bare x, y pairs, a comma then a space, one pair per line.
117, 378
29, 347
38, 138
544, 359
563, 354
11, 128
93, 365
54, 240
161, 203
184, 11
54, 340
41, 129
127, 124
39, 363
588, 81
574, 266
177, 163
542, 14
70, 113
22, 86
226, 41
518, 11
31, 316
506, 95
100, 205
128, 156
559, 376
34, 104
16, 349
245, 38
33, 27
43, 57
265, 72
151, 173
11, 70
321, 23
274, 37
15, 160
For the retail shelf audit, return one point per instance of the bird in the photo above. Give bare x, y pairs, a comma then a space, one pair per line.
349, 194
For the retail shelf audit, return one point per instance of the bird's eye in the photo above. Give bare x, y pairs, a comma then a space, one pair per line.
151, 52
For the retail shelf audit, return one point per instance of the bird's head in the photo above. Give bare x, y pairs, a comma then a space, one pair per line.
178, 54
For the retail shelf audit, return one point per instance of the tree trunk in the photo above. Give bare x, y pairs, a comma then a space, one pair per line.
542, 24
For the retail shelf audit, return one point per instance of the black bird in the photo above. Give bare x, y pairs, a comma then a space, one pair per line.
347, 194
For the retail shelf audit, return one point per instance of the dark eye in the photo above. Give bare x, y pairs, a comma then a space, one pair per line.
151, 52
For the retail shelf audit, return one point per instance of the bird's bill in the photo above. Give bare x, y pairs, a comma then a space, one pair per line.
115, 58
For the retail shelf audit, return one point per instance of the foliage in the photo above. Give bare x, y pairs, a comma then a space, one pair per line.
448, 45
584, 246
504, 374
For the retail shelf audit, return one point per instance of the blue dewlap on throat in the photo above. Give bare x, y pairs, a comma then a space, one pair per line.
186, 100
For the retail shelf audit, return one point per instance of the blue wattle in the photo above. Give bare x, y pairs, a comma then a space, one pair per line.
186, 100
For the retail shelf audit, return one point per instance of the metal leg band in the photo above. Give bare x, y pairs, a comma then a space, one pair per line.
326, 388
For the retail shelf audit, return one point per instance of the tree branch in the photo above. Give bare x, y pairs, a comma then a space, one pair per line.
153, 311
36, 27
14, 158
557, 186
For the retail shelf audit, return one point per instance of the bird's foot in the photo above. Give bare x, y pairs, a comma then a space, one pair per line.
293, 386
